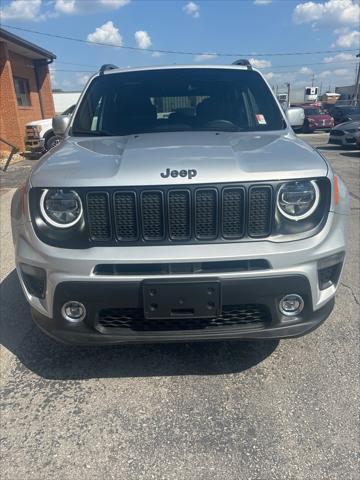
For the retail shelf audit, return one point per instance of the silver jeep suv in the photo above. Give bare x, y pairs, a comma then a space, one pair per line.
179, 206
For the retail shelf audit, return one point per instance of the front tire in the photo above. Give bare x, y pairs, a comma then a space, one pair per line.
51, 142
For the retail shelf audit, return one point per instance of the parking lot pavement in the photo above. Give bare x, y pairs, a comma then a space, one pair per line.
16, 174
241, 410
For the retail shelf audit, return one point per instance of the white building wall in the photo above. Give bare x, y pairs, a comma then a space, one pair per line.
64, 100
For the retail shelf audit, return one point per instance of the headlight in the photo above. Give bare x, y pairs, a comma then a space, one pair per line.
60, 208
298, 200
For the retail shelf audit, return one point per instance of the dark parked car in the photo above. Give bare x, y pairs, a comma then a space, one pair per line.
345, 114
317, 119
345, 134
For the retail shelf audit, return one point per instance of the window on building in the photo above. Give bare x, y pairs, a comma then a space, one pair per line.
22, 91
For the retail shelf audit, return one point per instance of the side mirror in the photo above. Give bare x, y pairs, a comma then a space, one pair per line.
295, 116
60, 124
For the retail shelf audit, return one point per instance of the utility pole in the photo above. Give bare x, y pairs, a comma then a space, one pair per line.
356, 94
312, 79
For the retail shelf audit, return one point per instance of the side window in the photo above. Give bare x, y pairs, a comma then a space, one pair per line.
22, 91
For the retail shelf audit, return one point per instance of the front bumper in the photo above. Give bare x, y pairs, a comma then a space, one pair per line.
125, 297
72, 273
35, 145
320, 127
343, 140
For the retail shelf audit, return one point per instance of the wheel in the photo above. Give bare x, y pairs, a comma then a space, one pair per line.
51, 142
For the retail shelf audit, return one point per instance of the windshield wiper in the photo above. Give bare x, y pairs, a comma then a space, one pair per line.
91, 133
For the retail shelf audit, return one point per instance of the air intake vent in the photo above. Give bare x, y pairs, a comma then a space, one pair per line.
98, 216
179, 215
152, 208
206, 214
126, 227
260, 209
233, 210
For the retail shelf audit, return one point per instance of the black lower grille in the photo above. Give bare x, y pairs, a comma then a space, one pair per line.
231, 316
170, 215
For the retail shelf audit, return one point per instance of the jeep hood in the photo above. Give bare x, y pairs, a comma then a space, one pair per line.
218, 157
42, 123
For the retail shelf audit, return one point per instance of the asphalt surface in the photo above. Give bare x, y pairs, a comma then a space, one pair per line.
231, 410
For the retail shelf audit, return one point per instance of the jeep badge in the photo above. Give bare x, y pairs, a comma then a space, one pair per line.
179, 173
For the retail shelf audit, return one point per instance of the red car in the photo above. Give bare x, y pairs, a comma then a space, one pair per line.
316, 119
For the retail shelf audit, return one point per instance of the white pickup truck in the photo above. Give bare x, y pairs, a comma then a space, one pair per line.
39, 134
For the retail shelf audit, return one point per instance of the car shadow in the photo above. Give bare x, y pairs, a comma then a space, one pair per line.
355, 154
335, 148
52, 360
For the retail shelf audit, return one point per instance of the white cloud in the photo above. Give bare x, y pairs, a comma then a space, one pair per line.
157, 54
340, 57
52, 70
341, 72
262, 2
351, 39
341, 31
65, 6
22, 10
74, 7
342, 12
325, 74
142, 39
82, 79
269, 75
305, 71
257, 63
192, 9
204, 57
114, 3
107, 33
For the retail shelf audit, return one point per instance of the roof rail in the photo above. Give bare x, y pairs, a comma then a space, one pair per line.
107, 66
243, 62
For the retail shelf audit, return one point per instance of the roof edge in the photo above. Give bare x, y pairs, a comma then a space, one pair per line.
4, 34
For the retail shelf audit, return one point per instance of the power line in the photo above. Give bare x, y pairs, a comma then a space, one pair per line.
334, 67
272, 67
176, 52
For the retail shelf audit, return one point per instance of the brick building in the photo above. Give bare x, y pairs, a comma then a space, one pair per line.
25, 87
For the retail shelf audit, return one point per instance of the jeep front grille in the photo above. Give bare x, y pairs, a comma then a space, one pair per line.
180, 215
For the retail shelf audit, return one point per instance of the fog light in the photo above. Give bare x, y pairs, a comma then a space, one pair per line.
291, 305
73, 311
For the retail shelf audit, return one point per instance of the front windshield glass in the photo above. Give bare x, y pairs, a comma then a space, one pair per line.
314, 111
177, 100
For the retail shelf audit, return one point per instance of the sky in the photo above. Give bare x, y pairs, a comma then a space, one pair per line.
206, 29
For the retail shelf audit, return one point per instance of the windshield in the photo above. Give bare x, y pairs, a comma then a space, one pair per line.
177, 100
314, 111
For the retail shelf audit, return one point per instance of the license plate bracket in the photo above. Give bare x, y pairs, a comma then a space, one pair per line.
181, 299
